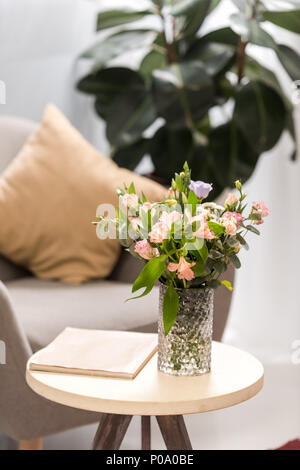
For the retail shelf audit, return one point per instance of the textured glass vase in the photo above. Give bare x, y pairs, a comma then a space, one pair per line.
186, 350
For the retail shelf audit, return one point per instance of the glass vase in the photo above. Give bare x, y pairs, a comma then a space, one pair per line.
186, 350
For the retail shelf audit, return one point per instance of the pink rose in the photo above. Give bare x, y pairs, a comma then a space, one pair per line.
145, 250
159, 232
183, 269
231, 200
237, 216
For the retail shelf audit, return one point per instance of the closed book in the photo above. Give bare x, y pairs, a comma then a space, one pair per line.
103, 353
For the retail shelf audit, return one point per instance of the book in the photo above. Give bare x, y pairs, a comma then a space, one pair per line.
102, 353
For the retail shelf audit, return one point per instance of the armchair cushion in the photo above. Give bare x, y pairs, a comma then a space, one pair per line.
48, 198
45, 308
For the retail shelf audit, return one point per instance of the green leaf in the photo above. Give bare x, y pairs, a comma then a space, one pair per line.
128, 117
149, 275
235, 260
110, 18
192, 198
131, 189
192, 13
252, 229
227, 284
203, 251
260, 114
169, 149
230, 157
290, 60
130, 156
170, 308
153, 60
285, 19
214, 284
117, 44
111, 82
214, 56
256, 71
218, 229
182, 92
223, 36
242, 241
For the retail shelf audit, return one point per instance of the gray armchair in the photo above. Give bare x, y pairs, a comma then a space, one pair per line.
34, 311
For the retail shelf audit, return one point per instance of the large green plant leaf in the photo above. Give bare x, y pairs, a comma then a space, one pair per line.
169, 150
118, 44
109, 84
149, 275
290, 60
170, 308
191, 14
110, 18
129, 116
230, 156
182, 93
130, 156
111, 81
260, 115
251, 31
256, 71
153, 60
215, 57
223, 36
285, 19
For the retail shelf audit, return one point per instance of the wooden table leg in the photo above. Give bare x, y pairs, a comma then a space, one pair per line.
111, 431
174, 432
146, 432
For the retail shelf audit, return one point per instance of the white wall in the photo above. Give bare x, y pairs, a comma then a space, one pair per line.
40, 43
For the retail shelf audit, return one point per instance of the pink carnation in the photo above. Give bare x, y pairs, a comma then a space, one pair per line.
183, 269
145, 250
260, 208
237, 216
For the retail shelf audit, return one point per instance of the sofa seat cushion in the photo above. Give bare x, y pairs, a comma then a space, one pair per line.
45, 308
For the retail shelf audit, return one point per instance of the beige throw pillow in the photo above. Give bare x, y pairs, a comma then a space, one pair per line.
48, 199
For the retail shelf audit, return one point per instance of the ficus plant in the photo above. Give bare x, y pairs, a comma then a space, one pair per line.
192, 96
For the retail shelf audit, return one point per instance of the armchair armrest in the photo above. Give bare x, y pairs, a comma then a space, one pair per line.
12, 374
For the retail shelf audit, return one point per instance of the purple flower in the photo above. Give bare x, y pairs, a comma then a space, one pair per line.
200, 188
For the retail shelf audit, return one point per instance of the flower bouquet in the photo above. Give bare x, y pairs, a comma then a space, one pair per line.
186, 244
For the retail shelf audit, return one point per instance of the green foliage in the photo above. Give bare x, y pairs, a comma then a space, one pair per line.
184, 74
151, 272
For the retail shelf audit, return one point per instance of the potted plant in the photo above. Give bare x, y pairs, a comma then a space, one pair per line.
186, 244
166, 106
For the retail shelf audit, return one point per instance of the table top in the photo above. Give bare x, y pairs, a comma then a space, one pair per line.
235, 377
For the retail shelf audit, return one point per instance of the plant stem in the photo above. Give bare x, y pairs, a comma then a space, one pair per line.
240, 59
171, 55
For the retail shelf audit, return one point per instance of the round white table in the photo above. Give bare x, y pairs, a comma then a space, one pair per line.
235, 376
